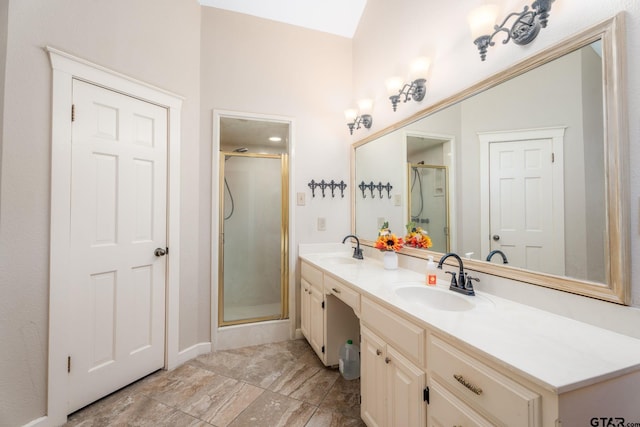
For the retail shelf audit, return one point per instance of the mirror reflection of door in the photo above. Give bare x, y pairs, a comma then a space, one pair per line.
524, 211
429, 158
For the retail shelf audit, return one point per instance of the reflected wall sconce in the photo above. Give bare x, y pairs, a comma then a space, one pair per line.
361, 116
416, 89
523, 30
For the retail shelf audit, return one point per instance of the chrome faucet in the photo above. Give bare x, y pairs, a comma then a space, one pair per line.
357, 252
497, 251
465, 285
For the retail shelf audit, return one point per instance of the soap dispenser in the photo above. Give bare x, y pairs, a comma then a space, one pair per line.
431, 272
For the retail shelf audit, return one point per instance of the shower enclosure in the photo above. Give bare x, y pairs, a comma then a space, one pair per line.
428, 201
252, 283
429, 167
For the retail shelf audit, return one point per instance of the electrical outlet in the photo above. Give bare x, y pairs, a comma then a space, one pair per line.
322, 224
300, 199
380, 222
397, 199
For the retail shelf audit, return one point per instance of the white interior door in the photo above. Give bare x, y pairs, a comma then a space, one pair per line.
522, 215
118, 219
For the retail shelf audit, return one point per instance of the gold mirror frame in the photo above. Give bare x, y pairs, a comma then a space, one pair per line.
617, 288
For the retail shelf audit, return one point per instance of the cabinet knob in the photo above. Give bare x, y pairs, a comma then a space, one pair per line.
387, 360
378, 352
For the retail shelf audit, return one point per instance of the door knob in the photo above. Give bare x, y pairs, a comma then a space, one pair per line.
496, 237
160, 252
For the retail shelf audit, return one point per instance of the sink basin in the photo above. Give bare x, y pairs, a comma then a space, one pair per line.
434, 298
339, 260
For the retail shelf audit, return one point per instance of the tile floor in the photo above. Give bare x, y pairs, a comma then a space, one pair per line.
281, 384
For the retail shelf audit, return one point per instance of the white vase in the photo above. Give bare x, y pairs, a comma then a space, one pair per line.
390, 260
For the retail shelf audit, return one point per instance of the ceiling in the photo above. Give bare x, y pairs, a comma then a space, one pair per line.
253, 134
340, 17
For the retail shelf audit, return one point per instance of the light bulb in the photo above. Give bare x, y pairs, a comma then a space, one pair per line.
365, 106
394, 84
419, 68
482, 20
350, 114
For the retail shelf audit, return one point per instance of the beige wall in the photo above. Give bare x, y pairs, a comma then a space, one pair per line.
254, 65
248, 65
156, 41
4, 15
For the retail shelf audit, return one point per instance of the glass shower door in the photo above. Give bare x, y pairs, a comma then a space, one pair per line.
254, 242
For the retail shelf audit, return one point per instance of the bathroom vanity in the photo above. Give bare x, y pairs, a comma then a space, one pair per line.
430, 356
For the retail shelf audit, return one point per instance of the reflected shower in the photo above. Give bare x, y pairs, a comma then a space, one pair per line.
226, 184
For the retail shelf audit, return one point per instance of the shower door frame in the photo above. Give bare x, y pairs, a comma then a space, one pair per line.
284, 239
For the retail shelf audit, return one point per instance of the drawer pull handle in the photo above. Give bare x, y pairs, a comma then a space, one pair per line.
475, 389
387, 360
378, 352
336, 291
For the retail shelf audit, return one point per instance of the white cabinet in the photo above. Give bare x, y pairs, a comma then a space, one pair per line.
405, 360
326, 320
481, 387
305, 307
392, 387
445, 409
316, 320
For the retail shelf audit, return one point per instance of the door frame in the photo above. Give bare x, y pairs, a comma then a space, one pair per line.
66, 68
262, 332
450, 161
556, 134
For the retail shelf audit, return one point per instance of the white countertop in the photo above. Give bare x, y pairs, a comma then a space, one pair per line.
558, 353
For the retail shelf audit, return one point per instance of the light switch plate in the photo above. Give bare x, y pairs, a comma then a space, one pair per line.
300, 199
397, 199
322, 224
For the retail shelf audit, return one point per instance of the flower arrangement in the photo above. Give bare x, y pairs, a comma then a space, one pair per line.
417, 237
387, 241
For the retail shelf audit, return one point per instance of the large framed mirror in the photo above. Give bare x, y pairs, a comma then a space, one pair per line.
531, 162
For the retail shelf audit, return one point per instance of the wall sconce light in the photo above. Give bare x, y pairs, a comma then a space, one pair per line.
524, 29
361, 116
415, 90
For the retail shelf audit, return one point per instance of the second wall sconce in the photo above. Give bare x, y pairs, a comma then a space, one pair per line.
361, 116
416, 89
523, 30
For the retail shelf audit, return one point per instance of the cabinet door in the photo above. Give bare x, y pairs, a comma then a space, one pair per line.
405, 391
445, 409
316, 321
305, 307
372, 379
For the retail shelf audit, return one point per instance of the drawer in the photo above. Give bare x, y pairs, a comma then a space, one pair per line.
402, 334
346, 294
311, 274
445, 409
484, 388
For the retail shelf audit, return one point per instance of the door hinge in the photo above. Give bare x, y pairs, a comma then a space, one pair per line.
73, 112
68, 364
322, 349
323, 305
425, 395
553, 157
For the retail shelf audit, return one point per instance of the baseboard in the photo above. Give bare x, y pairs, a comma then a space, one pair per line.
229, 337
298, 334
39, 422
193, 352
